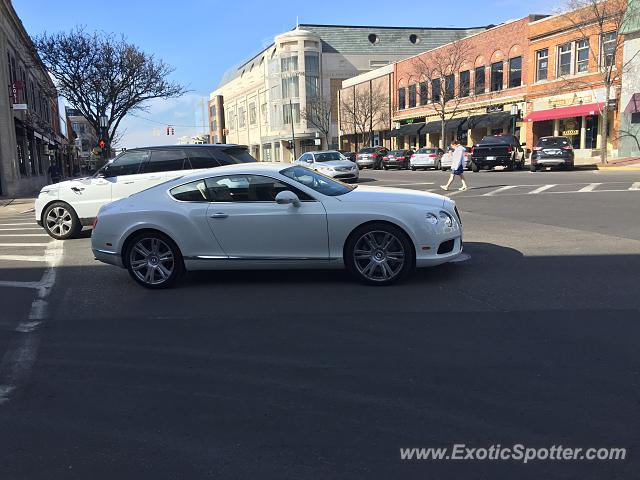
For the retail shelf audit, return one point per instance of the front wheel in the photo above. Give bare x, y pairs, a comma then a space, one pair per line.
154, 260
61, 221
379, 254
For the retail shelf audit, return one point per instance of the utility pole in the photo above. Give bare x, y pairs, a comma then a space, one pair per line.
293, 133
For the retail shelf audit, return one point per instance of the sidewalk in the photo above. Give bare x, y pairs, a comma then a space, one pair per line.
627, 163
16, 205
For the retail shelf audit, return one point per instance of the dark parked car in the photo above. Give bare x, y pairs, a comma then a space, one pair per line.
350, 155
552, 152
494, 150
397, 159
371, 157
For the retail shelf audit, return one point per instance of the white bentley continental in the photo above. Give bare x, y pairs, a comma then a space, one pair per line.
268, 216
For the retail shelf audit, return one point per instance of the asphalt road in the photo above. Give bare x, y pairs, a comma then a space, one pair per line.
532, 340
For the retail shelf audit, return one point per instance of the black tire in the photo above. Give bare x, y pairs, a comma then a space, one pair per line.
438, 165
376, 265
474, 167
519, 165
145, 274
60, 221
413, 169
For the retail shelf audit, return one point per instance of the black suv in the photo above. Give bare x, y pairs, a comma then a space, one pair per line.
552, 152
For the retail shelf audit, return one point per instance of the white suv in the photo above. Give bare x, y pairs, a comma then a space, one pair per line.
62, 209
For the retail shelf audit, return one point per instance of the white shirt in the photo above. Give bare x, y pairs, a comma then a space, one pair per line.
457, 158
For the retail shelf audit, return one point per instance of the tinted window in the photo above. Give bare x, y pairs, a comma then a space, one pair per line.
328, 156
397, 153
126, 164
202, 158
316, 181
428, 150
164, 161
506, 140
191, 192
553, 142
367, 150
248, 188
231, 156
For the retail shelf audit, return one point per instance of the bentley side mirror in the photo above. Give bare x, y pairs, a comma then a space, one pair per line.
287, 197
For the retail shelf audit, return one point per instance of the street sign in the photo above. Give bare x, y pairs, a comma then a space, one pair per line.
20, 106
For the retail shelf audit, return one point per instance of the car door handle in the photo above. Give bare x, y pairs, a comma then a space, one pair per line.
219, 215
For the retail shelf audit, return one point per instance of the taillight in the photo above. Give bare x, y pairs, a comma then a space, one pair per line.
509, 148
568, 147
95, 222
385, 158
432, 155
399, 158
537, 149
472, 150
374, 155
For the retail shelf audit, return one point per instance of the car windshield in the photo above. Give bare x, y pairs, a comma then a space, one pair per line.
328, 156
427, 150
316, 181
553, 142
240, 155
368, 150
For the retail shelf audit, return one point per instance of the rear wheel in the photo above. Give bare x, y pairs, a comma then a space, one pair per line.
438, 165
154, 260
474, 167
61, 221
379, 254
413, 169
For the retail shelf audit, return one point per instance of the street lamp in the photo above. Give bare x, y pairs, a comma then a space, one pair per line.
103, 121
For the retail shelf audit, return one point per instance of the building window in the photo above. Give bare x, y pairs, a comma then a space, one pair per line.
290, 63
564, 60
312, 85
263, 112
424, 95
635, 118
312, 74
542, 64
412, 96
449, 87
401, 99
609, 48
515, 72
242, 117
291, 109
479, 86
435, 91
582, 56
497, 70
464, 83
290, 87
252, 113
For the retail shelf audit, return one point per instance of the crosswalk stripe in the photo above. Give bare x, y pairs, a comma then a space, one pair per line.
541, 189
23, 244
590, 188
17, 224
23, 235
23, 258
19, 229
498, 190
635, 186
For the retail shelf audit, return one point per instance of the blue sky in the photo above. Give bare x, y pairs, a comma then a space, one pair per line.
201, 39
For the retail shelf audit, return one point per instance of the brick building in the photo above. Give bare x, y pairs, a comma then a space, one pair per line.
488, 92
566, 93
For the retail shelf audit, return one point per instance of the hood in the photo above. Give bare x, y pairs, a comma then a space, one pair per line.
335, 163
75, 182
366, 193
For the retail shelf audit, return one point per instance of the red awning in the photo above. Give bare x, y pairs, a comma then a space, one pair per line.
565, 112
634, 104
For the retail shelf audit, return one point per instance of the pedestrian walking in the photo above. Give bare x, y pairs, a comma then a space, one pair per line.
457, 165
54, 173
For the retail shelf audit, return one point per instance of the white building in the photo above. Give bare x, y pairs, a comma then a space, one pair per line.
259, 103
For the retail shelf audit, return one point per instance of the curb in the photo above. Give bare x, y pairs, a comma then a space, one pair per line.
622, 169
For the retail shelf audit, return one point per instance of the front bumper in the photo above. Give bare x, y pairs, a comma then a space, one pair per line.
433, 258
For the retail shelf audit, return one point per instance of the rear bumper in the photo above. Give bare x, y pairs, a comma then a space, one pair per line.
106, 256
498, 161
403, 163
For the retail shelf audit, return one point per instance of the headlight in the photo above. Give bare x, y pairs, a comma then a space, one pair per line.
431, 218
446, 218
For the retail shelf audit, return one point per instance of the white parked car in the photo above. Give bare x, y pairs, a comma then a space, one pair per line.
426, 158
331, 163
266, 216
445, 163
62, 209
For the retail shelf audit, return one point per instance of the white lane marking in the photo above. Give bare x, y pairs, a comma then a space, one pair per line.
590, 188
498, 190
23, 258
20, 357
635, 186
10, 284
24, 244
541, 189
31, 224
402, 184
20, 229
23, 235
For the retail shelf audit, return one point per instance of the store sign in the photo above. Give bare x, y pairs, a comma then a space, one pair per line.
570, 133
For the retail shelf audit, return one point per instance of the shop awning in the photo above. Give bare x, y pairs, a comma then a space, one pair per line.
410, 129
634, 104
392, 133
565, 112
488, 120
436, 126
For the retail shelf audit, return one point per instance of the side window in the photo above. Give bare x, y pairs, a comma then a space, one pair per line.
127, 164
248, 188
191, 192
231, 156
202, 158
164, 161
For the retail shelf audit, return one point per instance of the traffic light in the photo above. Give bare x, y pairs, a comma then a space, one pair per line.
168, 129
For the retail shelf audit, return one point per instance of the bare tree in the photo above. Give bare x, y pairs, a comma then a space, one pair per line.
364, 108
102, 75
603, 19
438, 69
318, 113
